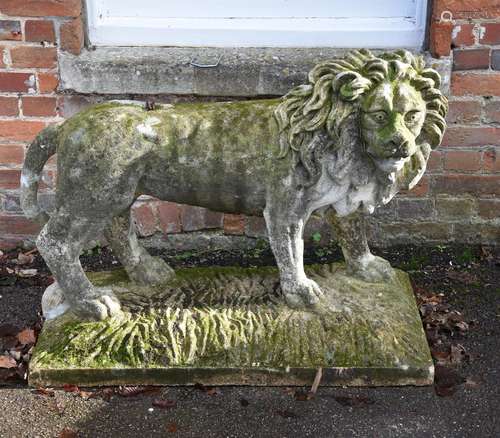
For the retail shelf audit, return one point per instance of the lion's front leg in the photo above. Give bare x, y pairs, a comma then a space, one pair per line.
285, 237
361, 263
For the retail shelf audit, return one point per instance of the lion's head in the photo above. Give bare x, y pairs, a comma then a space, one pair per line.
393, 98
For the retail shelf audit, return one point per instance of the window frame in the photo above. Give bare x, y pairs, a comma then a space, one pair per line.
244, 32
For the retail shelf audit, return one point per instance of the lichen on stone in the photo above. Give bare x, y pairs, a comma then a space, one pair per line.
235, 318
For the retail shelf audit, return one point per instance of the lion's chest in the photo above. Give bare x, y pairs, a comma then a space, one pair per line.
346, 197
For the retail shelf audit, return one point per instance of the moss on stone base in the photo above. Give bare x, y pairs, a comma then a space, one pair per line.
232, 325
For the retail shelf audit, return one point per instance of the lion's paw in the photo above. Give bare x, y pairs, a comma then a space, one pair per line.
102, 304
372, 269
302, 293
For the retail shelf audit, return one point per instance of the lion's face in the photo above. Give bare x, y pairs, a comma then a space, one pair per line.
392, 116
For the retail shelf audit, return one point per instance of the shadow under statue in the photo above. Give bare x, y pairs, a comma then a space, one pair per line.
359, 131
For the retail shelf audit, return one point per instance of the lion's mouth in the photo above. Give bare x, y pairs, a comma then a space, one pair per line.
390, 165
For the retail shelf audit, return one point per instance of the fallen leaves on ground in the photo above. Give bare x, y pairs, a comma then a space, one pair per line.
354, 400
70, 388
7, 362
209, 390
26, 336
244, 402
131, 391
15, 351
45, 391
164, 404
443, 327
285, 413
302, 395
68, 433
172, 428
446, 380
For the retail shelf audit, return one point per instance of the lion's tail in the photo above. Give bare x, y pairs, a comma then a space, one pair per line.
42, 148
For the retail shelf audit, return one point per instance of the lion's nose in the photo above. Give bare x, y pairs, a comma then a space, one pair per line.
400, 149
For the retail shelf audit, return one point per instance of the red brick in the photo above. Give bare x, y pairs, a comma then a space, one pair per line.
491, 34
9, 179
462, 161
72, 36
10, 30
9, 106
471, 184
38, 57
234, 224
10, 242
471, 136
440, 38
11, 154
492, 112
491, 160
39, 106
421, 189
476, 84
144, 218
47, 82
41, 8
16, 82
489, 208
464, 112
169, 217
462, 35
435, 162
2, 52
11, 224
198, 218
464, 9
19, 130
471, 59
40, 30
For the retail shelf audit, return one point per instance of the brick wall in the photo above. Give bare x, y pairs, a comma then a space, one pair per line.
458, 199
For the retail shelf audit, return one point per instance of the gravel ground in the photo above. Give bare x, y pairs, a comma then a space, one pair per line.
472, 411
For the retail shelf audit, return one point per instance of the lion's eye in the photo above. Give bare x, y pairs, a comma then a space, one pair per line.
412, 116
379, 116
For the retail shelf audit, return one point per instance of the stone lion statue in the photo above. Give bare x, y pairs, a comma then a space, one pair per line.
361, 129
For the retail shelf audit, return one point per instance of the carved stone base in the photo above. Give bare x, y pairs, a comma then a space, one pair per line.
230, 326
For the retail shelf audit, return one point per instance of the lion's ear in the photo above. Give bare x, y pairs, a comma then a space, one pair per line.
350, 85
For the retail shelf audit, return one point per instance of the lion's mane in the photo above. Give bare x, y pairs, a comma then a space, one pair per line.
334, 92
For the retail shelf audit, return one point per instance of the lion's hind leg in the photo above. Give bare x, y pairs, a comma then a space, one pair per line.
60, 243
141, 267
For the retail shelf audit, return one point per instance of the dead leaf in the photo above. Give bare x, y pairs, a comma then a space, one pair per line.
244, 402
45, 391
164, 404
287, 414
70, 388
105, 393
172, 428
471, 383
458, 354
354, 400
131, 391
24, 259
68, 433
85, 394
7, 361
209, 390
26, 273
446, 380
301, 395
26, 336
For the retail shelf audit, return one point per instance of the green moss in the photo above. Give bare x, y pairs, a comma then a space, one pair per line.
230, 318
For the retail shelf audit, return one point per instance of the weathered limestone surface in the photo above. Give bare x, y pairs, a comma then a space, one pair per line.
232, 326
343, 144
